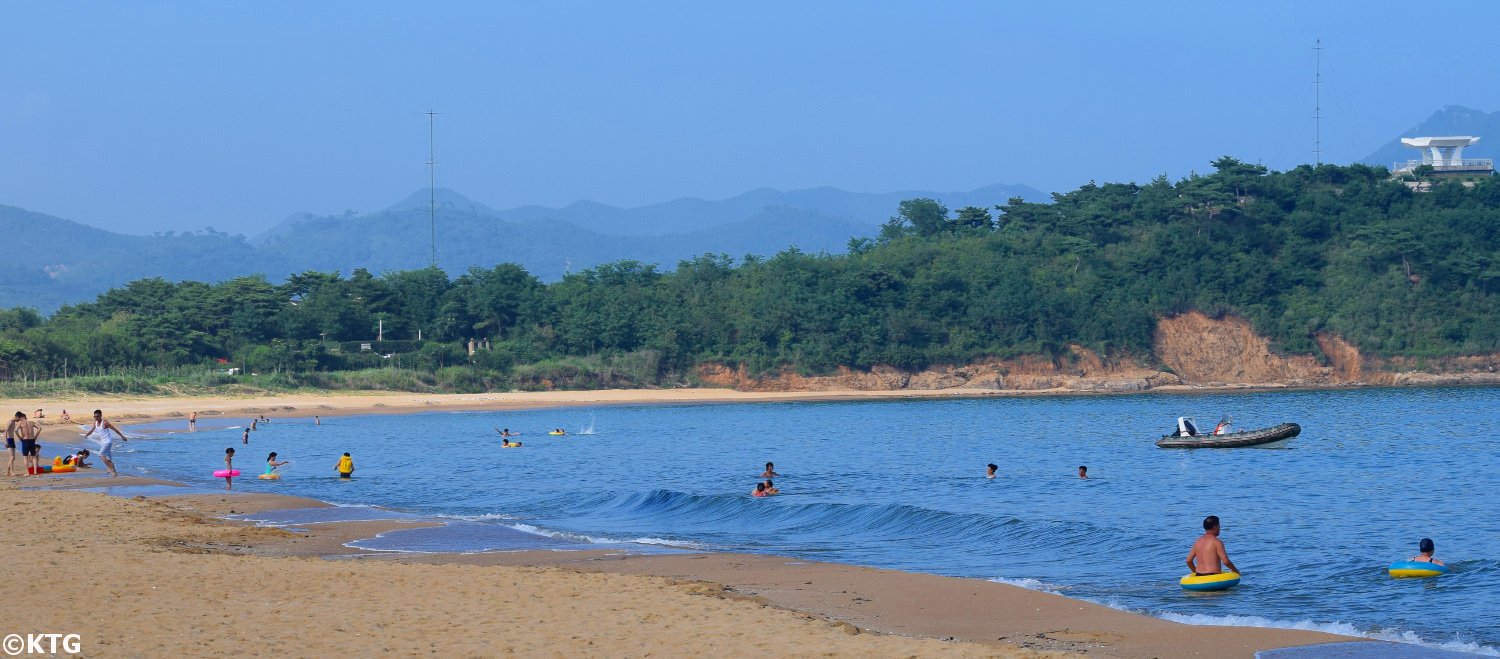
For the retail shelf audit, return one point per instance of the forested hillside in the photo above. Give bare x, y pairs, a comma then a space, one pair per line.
1341, 250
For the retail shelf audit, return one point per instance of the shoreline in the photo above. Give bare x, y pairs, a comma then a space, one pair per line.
969, 617
147, 409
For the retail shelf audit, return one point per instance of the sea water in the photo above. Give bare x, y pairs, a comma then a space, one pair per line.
900, 484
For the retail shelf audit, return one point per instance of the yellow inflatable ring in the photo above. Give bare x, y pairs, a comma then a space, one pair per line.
1416, 569
1210, 582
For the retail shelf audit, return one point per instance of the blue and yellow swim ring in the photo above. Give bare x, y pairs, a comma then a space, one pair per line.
1210, 582
1416, 569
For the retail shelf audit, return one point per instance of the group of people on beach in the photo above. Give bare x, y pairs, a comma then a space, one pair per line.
26, 432
344, 467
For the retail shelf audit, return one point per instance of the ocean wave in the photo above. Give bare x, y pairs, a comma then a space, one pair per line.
1341, 628
1031, 584
907, 523
602, 540
482, 517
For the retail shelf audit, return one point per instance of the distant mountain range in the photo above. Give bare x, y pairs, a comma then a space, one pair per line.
1449, 121
51, 261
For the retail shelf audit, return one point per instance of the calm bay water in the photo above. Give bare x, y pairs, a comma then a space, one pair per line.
901, 485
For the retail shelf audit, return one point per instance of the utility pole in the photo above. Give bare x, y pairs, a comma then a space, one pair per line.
1318, 103
432, 183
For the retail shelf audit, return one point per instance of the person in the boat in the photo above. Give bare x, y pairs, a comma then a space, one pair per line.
1222, 428
1426, 548
1208, 555
1185, 427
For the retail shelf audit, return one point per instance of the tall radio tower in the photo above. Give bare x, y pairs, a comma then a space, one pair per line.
1318, 103
432, 183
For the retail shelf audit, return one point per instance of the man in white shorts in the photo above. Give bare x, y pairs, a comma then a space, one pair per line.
107, 433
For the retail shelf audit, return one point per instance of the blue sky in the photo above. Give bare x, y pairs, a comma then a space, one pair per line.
148, 116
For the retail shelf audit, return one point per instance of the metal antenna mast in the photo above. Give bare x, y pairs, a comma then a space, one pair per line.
1318, 103
432, 184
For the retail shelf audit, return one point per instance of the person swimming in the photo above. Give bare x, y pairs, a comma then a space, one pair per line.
770, 471
990, 469
1426, 548
506, 443
1083, 472
760, 490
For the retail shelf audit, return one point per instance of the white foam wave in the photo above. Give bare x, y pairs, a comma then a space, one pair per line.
1029, 584
485, 517
1341, 628
598, 540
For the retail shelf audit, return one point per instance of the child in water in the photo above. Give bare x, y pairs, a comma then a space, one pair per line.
246, 438
771, 488
760, 490
77, 459
228, 468
271, 465
505, 442
345, 466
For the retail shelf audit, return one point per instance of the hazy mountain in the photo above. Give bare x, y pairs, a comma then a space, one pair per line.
51, 261
689, 215
1451, 120
552, 241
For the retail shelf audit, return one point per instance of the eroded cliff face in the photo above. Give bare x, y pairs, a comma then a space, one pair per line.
1188, 351
1202, 350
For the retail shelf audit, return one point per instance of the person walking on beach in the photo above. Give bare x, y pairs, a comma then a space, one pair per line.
107, 433
1208, 555
345, 467
770, 471
229, 468
10, 444
1426, 548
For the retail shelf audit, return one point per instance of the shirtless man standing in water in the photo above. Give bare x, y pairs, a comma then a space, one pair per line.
1208, 551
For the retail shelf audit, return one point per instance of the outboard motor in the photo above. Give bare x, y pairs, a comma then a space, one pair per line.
1185, 427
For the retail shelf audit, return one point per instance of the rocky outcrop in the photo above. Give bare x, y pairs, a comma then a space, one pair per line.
1191, 350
